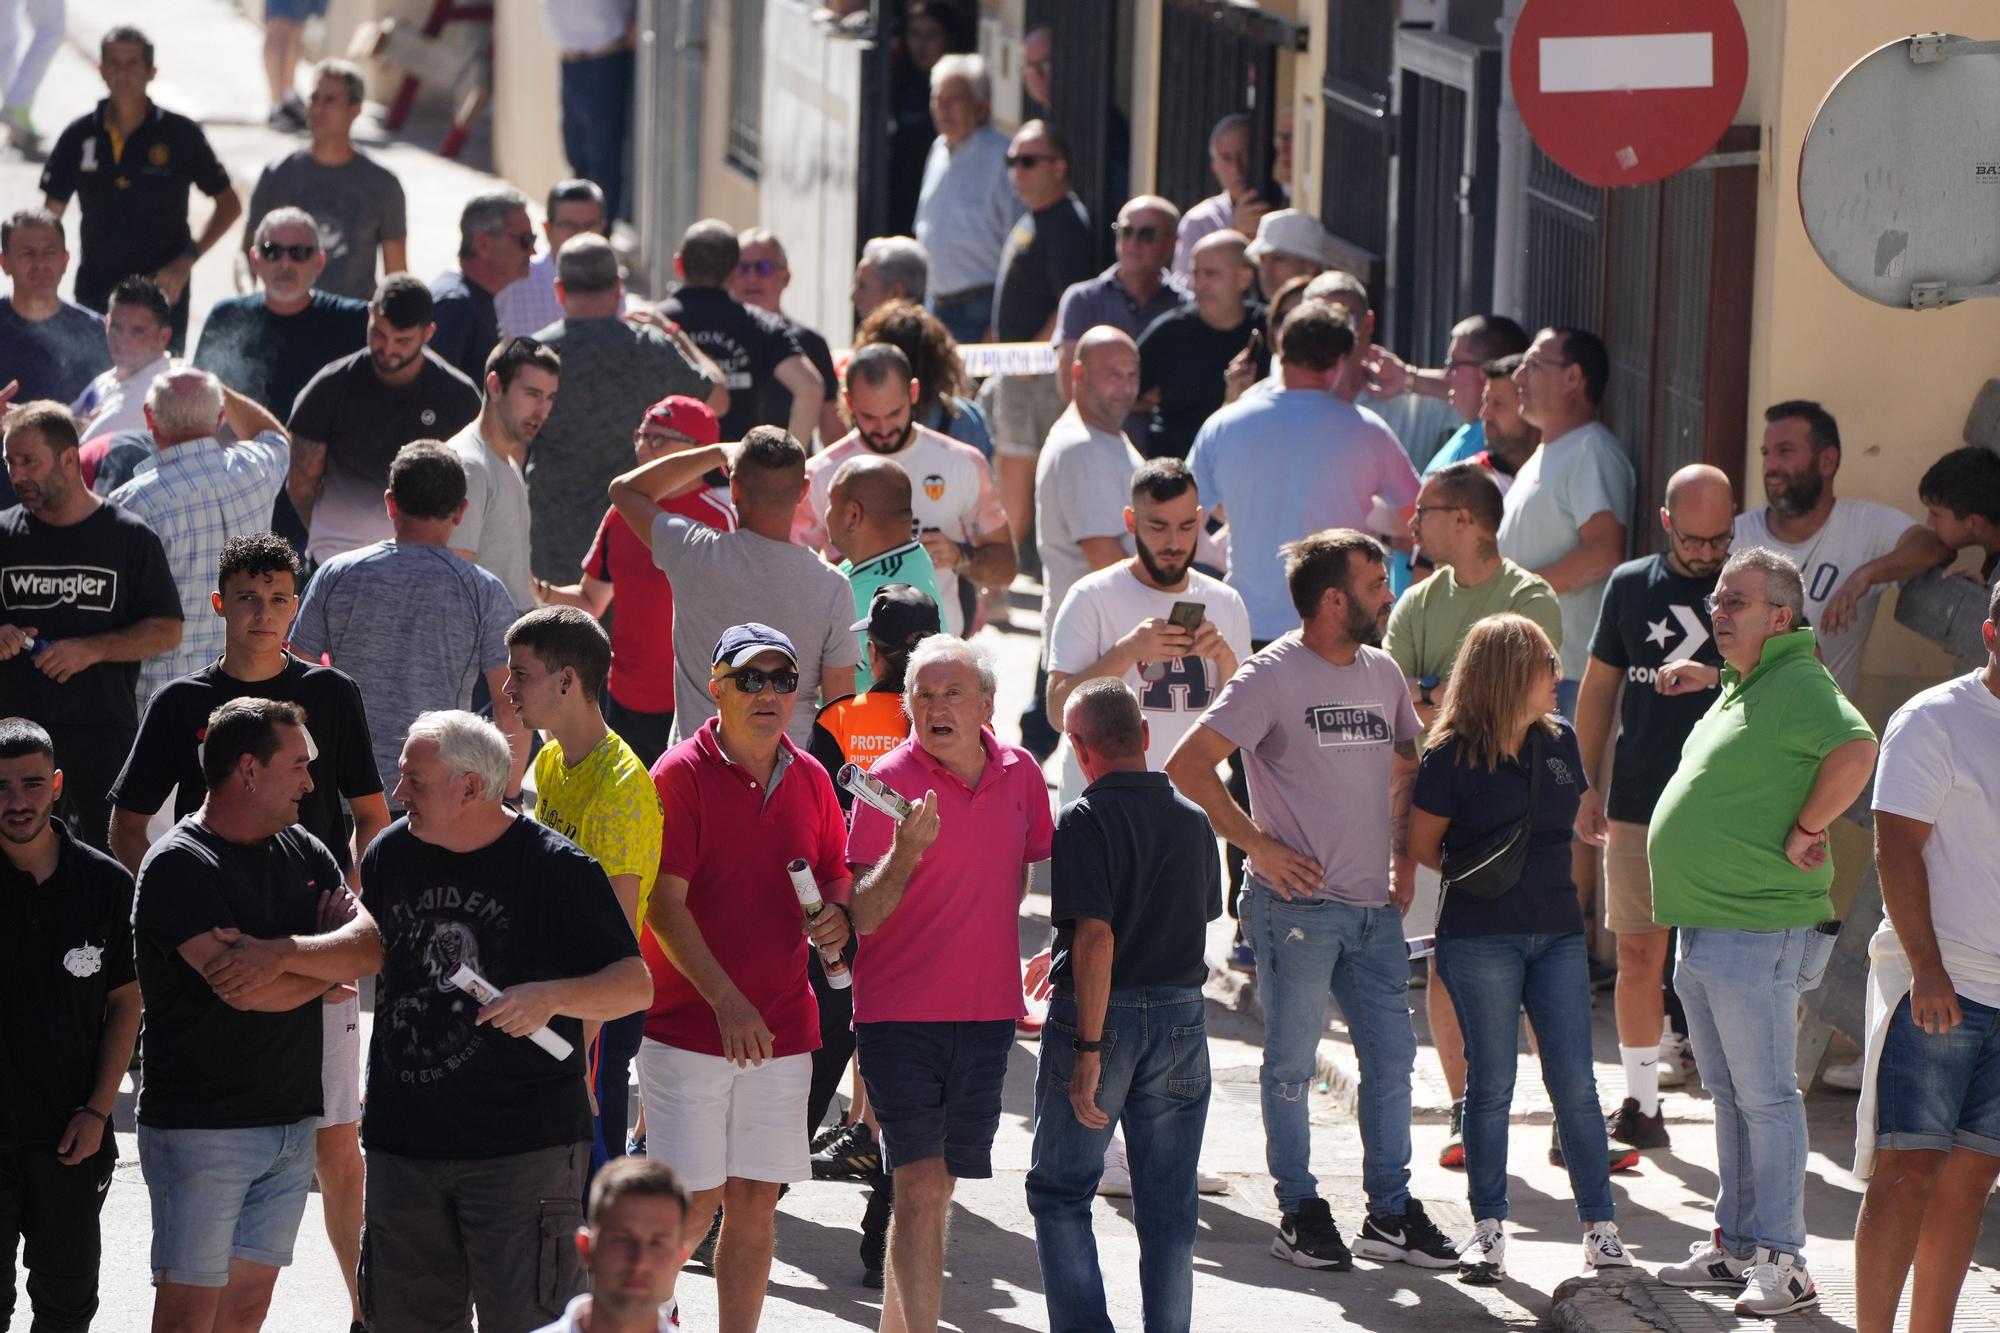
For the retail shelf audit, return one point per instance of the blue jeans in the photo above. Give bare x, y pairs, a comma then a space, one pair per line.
223, 1194
1304, 947
1741, 990
1154, 1080
965, 319
1490, 978
596, 113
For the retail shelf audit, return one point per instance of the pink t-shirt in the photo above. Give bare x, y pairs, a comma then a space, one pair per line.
951, 951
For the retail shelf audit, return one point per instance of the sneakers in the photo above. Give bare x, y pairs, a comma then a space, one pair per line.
875, 1237
1242, 958
1116, 1182
1207, 1182
1776, 1284
1409, 1239
1622, 1159
288, 116
1483, 1261
704, 1253
20, 128
1708, 1265
1676, 1060
849, 1155
828, 1133
1453, 1153
1603, 1249
1634, 1128
1845, 1076
1309, 1239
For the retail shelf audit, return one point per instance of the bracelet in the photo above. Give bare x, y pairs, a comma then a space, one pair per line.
1810, 833
92, 1110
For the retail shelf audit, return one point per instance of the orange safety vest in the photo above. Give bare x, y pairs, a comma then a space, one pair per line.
866, 726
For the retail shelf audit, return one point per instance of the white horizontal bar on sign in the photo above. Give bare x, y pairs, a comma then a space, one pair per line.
1628, 64
981, 360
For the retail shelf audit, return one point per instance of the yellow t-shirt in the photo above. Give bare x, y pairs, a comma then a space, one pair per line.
607, 805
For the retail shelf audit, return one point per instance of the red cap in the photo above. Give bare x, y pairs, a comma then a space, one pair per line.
686, 416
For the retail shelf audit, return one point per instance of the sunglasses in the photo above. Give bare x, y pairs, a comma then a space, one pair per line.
1030, 160
751, 680
524, 239
758, 268
1126, 231
270, 252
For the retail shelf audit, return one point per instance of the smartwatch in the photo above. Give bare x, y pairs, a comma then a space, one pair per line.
1427, 684
1082, 1047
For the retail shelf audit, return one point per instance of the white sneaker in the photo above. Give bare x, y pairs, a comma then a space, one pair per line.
1207, 1182
1676, 1060
1776, 1284
1483, 1261
1845, 1076
1708, 1265
1603, 1249
1116, 1182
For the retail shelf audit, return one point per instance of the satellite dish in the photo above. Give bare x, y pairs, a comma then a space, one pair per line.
1899, 180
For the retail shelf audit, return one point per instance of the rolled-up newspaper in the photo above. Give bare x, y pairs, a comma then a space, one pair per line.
484, 991
873, 791
807, 889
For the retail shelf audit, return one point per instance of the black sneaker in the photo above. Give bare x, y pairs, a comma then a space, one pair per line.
828, 1133
1453, 1153
1622, 1158
704, 1253
875, 1237
1410, 1239
1633, 1127
1309, 1239
851, 1154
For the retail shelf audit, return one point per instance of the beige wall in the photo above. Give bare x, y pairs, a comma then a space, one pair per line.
527, 101
726, 193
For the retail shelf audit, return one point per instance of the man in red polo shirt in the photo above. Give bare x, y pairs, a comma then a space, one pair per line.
937, 988
727, 1060
639, 695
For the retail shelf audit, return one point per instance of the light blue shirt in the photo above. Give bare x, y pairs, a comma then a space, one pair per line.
1468, 441
1564, 484
1287, 464
965, 210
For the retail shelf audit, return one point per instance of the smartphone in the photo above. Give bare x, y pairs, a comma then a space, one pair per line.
1188, 615
1259, 354
872, 790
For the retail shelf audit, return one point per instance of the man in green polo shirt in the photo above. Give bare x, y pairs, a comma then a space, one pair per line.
1739, 858
868, 520
1458, 513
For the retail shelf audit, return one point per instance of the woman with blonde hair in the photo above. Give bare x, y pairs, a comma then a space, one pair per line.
1496, 794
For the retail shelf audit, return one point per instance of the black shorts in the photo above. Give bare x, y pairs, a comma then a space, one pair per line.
935, 1090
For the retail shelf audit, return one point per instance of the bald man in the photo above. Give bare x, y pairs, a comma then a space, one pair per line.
870, 522
1654, 612
1184, 355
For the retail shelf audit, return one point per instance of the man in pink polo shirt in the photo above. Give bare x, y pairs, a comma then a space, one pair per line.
727, 1059
937, 985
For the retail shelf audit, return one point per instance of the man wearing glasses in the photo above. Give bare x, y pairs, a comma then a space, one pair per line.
1655, 612
762, 274
573, 208
1130, 295
496, 243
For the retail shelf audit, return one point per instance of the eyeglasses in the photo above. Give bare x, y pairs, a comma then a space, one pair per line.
270, 252
1705, 543
1042, 66
659, 439
1127, 231
1464, 363
524, 239
1732, 602
1437, 509
758, 268
752, 680
1556, 665
1530, 364
1030, 160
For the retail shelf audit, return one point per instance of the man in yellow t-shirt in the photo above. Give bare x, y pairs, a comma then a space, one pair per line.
603, 800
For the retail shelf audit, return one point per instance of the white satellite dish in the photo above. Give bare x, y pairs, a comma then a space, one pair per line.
1899, 180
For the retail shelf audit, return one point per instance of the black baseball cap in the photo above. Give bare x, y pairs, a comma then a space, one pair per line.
899, 616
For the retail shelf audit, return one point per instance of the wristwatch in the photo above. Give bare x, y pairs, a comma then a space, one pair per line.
1427, 684
1082, 1047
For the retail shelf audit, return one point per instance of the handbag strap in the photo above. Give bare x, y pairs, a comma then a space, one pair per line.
1534, 778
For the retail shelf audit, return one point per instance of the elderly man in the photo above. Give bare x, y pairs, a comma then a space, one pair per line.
1183, 355
891, 268
50, 346
868, 524
573, 208
727, 1061
967, 204
1738, 850
1238, 205
202, 491
1290, 244
357, 201
1136, 290
762, 275
521, 380
496, 243
937, 985
137, 327
477, 1136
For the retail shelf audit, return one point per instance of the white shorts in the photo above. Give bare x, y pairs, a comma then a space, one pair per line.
340, 1062
711, 1121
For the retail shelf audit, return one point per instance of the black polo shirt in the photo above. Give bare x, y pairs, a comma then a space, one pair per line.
66, 946
1136, 853
134, 194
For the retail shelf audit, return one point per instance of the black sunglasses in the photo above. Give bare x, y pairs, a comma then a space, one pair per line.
762, 268
1126, 231
271, 251
1030, 160
752, 680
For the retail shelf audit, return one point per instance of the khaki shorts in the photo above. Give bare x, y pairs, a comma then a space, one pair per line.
1021, 409
1628, 881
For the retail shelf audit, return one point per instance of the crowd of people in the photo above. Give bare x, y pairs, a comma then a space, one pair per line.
335, 588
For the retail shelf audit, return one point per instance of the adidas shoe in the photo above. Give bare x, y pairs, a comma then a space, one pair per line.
1453, 1153
1708, 1265
1411, 1238
1603, 1249
1309, 1239
1483, 1261
852, 1154
1776, 1284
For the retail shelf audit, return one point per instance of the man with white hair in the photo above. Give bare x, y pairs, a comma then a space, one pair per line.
892, 268
496, 243
967, 204
477, 1123
201, 491
937, 985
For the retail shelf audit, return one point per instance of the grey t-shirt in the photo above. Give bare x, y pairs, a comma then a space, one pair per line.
414, 626
612, 372
358, 205
495, 526
1318, 743
725, 578
1083, 481
1563, 485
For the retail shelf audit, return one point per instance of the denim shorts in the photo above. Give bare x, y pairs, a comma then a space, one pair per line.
222, 1194
297, 11
935, 1090
1940, 1092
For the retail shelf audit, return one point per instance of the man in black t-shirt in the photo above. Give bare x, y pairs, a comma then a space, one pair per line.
85, 595
358, 411
1654, 613
69, 1011
1137, 880
762, 274
755, 352
130, 164
1184, 354
478, 1137
242, 926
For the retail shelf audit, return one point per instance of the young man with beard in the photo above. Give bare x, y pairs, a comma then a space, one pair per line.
1325, 723
521, 380
958, 513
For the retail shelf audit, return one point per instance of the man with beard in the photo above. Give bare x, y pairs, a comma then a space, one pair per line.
1324, 720
521, 380
1655, 612
958, 514
358, 411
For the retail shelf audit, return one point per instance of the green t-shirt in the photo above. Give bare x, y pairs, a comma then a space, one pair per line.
909, 564
1431, 620
1717, 840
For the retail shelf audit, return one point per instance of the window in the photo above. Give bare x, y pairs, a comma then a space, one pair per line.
746, 87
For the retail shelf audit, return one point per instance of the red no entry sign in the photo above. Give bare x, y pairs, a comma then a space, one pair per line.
1622, 94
